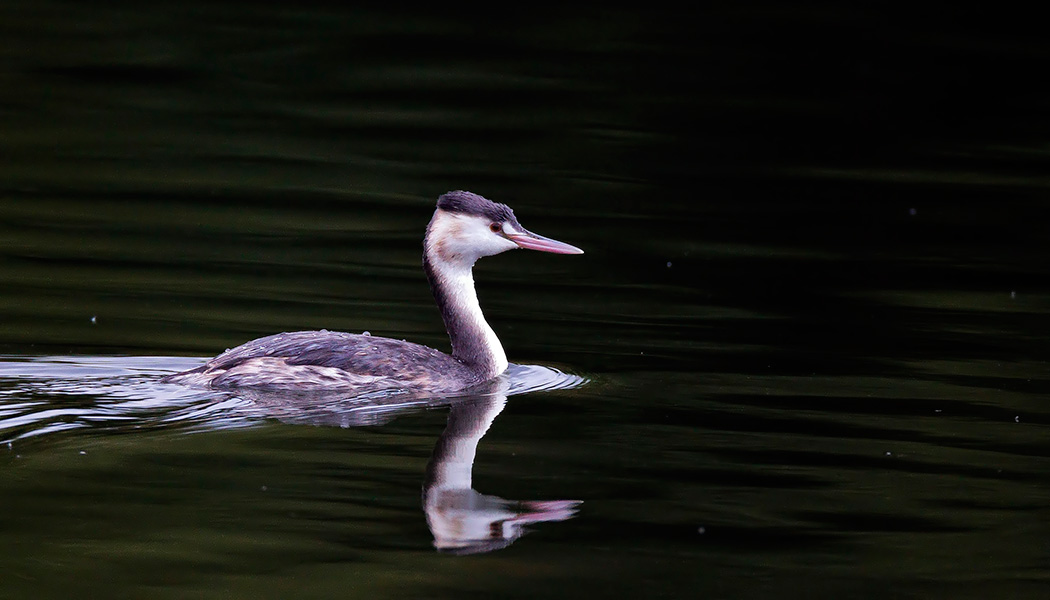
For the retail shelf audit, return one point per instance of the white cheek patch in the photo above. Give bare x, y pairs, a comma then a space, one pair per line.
458, 238
476, 238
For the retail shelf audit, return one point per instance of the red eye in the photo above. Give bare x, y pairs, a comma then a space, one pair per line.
495, 228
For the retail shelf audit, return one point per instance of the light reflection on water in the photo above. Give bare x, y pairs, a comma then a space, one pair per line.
44, 395
48, 395
99, 392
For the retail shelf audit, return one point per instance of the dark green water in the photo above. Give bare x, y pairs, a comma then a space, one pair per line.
814, 309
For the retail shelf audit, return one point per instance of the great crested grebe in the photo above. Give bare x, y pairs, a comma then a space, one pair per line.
464, 228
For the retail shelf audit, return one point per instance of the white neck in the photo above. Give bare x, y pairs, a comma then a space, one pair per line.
474, 343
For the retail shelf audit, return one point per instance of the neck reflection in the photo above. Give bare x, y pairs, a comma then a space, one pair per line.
462, 520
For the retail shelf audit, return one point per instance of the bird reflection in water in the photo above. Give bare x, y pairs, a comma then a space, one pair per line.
462, 520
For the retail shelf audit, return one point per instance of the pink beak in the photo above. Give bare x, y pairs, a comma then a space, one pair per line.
530, 241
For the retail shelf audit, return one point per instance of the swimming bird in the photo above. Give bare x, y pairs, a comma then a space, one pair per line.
464, 228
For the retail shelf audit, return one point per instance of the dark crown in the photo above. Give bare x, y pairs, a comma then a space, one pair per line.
469, 203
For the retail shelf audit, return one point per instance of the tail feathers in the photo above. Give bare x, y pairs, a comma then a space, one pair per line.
194, 377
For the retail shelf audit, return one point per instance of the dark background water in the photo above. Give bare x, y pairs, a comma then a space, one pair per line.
814, 305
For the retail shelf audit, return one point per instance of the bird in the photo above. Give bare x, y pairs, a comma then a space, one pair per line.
465, 227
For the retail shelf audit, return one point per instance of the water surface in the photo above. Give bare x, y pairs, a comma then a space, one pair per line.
812, 316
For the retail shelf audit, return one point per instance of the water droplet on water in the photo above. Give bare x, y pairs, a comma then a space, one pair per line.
366, 334
94, 319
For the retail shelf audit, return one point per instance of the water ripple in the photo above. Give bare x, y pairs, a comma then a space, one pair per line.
51, 394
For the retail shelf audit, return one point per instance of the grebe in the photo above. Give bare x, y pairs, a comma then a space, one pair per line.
464, 228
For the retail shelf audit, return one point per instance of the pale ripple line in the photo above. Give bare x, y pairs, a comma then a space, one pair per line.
104, 392
107, 392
